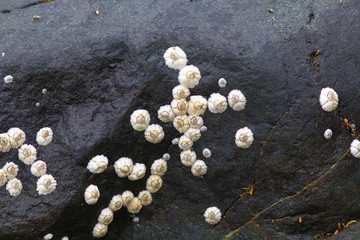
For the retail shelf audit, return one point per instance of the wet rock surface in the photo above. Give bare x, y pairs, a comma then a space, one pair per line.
98, 69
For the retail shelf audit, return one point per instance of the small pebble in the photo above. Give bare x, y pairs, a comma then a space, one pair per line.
3, 54
37, 104
8, 79
136, 219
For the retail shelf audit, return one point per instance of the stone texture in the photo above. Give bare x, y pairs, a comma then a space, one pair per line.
98, 69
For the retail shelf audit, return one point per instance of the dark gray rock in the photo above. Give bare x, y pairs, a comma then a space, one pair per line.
99, 68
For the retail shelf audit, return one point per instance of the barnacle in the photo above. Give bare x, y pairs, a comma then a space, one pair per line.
185, 143
38, 168
8, 79
181, 123
195, 121
5, 145
106, 216
159, 167
123, 166
3, 178
98, 164
127, 198
328, 133
14, 187
206, 152
188, 157
166, 114
212, 215
99, 230
166, 156
237, 100
27, 154
154, 133
180, 92
217, 103
44, 136
145, 197
179, 106
244, 137
222, 82
17, 137
91, 194
355, 148
46, 184
198, 168
153, 183
328, 99
116, 203
175, 58
197, 105
11, 170
189, 76
193, 134
135, 206
140, 119
138, 172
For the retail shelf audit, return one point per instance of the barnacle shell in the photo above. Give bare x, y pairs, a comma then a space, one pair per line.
5, 145
180, 92
195, 121
153, 183
328, 133
185, 143
244, 137
328, 99
175, 58
203, 129
91, 194
11, 170
212, 215
17, 137
217, 103
179, 106
197, 105
206, 152
355, 148
145, 197
106, 216
46, 184
188, 157
127, 198
138, 172
99, 230
140, 119
44, 136
135, 206
65, 238
237, 100
8, 79
166, 156
3, 178
27, 154
181, 123
48, 236
14, 187
189, 76
175, 141
98, 164
199, 168
154, 133
222, 82
115, 203
123, 166
193, 134
166, 114
159, 167
38, 168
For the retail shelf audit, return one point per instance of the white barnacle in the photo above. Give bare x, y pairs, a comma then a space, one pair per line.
44, 91
199, 168
27, 154
106, 216
328, 134
203, 129
197, 105
5, 144
123, 166
195, 121
217, 103
175, 58
189, 76
127, 197
99, 230
48, 236
206, 152
138, 172
46, 184
355, 148
65, 238
11, 170
145, 197
212, 215
188, 157
153, 183
328, 99
44, 136
244, 137
166, 156
38, 168
17, 137
181, 123
14, 187
237, 100
135, 206
175, 141
116, 203
193, 134
159, 167
154, 133
98, 164
140, 119
180, 92
8, 79
91, 194
185, 143
222, 82
3, 178
179, 106
166, 114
